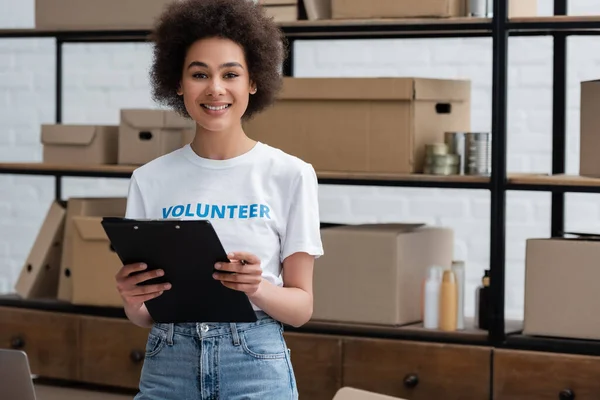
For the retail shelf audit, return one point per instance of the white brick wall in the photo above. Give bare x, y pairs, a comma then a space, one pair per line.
101, 78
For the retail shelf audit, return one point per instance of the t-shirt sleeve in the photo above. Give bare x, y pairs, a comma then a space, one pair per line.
135, 202
302, 232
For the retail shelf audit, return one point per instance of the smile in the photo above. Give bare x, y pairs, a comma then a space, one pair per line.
216, 108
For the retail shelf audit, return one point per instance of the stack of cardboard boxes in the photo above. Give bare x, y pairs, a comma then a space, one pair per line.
360, 9
562, 275
141, 136
71, 259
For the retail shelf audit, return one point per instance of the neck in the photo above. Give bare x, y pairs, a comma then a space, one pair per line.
221, 145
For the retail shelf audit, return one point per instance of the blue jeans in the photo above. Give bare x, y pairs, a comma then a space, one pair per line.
215, 361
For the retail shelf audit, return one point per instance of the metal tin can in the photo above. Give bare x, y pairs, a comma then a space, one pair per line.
477, 8
479, 153
456, 145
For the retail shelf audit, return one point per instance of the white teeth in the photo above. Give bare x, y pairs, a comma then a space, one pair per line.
215, 108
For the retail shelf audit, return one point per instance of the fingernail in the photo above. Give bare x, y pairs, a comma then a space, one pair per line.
230, 255
218, 266
143, 266
215, 276
160, 272
168, 286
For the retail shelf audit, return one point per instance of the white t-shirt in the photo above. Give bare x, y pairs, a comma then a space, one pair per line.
264, 201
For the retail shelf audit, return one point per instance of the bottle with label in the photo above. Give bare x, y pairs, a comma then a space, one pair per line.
459, 271
432, 298
482, 302
448, 301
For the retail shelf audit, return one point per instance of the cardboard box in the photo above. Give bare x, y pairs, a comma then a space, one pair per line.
589, 129
39, 275
374, 273
94, 265
94, 14
348, 393
317, 9
363, 125
561, 288
80, 144
87, 207
148, 134
282, 13
359, 9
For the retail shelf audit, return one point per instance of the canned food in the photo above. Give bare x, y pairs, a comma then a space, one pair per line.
436, 149
456, 145
479, 153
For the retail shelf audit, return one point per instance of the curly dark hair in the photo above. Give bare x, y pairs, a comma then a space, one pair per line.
183, 22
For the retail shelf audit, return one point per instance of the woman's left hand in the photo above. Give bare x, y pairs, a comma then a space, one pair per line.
242, 273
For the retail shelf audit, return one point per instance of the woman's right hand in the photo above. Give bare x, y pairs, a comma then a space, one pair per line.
135, 295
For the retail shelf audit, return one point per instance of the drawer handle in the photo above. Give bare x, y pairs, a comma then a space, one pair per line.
136, 356
17, 343
411, 380
566, 394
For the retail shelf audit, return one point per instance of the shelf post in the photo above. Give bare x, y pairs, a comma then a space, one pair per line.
498, 175
559, 109
58, 105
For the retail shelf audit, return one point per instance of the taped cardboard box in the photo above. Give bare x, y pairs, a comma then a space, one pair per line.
148, 134
39, 275
374, 273
87, 207
80, 144
93, 265
561, 287
364, 125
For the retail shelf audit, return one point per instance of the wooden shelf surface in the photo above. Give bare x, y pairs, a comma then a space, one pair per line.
553, 180
333, 27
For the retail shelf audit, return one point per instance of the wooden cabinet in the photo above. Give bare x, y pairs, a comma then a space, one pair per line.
50, 340
417, 370
112, 351
526, 375
317, 363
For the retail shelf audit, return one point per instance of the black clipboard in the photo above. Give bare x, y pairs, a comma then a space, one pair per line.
187, 252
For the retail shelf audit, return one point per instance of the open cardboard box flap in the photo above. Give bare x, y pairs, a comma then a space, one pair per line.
90, 228
77, 135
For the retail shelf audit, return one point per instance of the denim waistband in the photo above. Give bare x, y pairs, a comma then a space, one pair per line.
210, 329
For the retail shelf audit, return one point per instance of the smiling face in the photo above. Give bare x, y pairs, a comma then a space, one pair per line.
215, 84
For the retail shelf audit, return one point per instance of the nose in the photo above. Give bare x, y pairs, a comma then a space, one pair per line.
215, 88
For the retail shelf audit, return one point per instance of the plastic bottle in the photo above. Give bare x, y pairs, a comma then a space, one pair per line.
459, 271
432, 298
448, 301
482, 302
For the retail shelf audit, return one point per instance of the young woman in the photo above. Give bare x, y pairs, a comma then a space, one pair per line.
219, 62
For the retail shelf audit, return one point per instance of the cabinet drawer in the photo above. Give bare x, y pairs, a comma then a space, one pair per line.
417, 371
317, 363
49, 339
112, 351
520, 375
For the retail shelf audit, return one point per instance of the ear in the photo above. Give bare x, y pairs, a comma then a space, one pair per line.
253, 88
179, 91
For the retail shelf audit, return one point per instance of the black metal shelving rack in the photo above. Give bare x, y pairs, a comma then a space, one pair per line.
499, 28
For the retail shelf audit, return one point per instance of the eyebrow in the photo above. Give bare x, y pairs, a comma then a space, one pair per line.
225, 65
